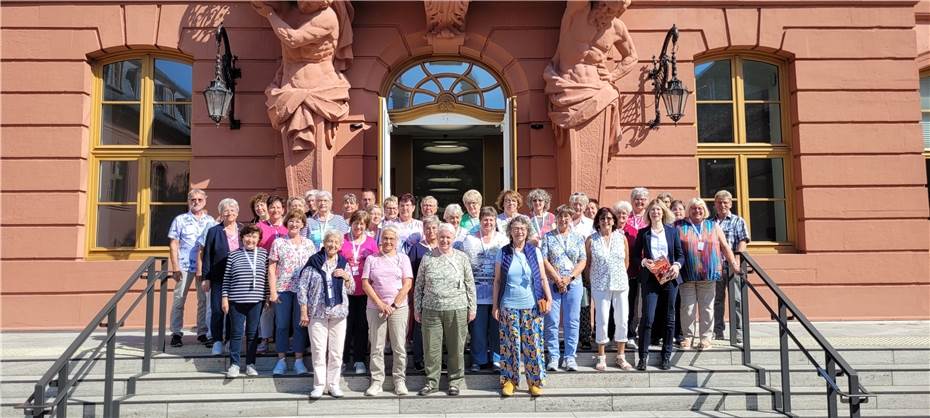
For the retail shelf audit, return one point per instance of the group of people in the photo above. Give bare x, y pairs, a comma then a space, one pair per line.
341, 287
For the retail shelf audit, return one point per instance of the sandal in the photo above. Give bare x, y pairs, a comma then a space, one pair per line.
685, 344
623, 365
601, 364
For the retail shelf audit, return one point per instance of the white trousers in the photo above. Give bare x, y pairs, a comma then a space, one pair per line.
697, 299
603, 300
327, 337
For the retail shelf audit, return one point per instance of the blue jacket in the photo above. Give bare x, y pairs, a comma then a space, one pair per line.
529, 250
316, 262
642, 250
215, 252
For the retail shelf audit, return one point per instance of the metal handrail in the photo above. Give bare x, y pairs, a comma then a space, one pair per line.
37, 405
787, 311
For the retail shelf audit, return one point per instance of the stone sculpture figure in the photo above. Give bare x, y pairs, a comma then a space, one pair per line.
309, 95
594, 52
445, 24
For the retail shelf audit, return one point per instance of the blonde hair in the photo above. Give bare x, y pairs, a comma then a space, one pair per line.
472, 196
667, 216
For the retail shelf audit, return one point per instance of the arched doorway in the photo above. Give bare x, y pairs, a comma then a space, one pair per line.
446, 126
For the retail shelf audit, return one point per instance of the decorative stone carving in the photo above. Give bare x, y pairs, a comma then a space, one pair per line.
309, 95
445, 24
594, 52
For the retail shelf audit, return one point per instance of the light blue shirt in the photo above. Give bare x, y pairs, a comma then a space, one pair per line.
187, 229
518, 285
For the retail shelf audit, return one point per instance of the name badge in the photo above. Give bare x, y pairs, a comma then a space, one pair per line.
355, 270
701, 246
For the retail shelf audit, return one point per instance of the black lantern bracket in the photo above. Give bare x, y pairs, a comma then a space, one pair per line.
670, 90
220, 95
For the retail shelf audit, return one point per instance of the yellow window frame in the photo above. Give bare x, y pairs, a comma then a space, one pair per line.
742, 151
143, 154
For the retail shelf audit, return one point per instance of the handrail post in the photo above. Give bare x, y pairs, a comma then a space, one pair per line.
783, 355
110, 363
854, 392
162, 305
38, 398
744, 307
831, 389
61, 410
149, 313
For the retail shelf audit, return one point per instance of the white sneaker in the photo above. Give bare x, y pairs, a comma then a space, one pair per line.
374, 389
299, 367
631, 344
217, 348
233, 372
250, 370
336, 392
317, 392
360, 368
571, 365
553, 365
400, 388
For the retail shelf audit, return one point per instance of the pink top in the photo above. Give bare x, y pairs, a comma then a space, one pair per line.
386, 275
270, 233
232, 240
637, 221
356, 255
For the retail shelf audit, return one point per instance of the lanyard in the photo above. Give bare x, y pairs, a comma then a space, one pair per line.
277, 234
537, 224
253, 264
328, 279
356, 249
324, 226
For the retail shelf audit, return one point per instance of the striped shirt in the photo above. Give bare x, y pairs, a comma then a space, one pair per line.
242, 284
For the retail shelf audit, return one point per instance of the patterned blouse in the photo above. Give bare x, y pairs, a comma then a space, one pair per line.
445, 283
483, 259
290, 258
563, 251
310, 293
607, 262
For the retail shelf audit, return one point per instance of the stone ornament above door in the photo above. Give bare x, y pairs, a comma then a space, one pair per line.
445, 24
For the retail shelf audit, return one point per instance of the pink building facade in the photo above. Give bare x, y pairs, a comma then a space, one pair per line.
809, 110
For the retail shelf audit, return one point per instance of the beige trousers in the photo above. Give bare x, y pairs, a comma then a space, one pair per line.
378, 329
697, 297
327, 337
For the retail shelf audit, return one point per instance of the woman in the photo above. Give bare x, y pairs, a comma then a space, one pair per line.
509, 202
272, 229
406, 224
520, 299
654, 242
471, 219
636, 221
244, 293
444, 303
590, 210
349, 205
704, 245
259, 206
666, 198
387, 280
215, 246
324, 219
584, 226
678, 209
416, 253
607, 251
564, 259
324, 286
542, 220
288, 254
376, 216
581, 224
310, 202
482, 250
356, 247
391, 210
429, 206
296, 203
452, 214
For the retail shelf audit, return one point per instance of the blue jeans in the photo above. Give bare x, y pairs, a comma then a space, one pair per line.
219, 322
287, 322
651, 291
485, 336
244, 318
566, 309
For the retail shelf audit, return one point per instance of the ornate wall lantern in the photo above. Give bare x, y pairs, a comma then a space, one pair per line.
221, 92
672, 91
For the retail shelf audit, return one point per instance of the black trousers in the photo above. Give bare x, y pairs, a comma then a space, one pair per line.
356, 345
651, 291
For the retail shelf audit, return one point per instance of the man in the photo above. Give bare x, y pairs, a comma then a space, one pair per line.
368, 199
734, 227
428, 207
182, 258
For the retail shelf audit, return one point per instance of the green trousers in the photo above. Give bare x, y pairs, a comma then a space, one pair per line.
451, 326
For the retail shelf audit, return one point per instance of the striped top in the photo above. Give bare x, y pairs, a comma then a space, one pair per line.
703, 256
246, 276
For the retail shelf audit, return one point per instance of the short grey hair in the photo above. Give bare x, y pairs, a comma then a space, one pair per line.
323, 194
429, 199
392, 229
723, 194
519, 219
539, 194
296, 199
624, 206
310, 193
349, 197
389, 199
374, 206
472, 196
447, 228
452, 210
332, 233
698, 202
195, 192
578, 197
430, 220
639, 192
227, 203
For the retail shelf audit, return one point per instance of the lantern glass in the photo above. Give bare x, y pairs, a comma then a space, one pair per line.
675, 97
218, 98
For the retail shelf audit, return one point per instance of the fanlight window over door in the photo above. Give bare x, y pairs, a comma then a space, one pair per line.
446, 84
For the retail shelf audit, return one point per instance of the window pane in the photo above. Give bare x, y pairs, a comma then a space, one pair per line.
172, 124
120, 125
760, 81
121, 80
170, 181
118, 181
925, 128
470, 98
162, 215
464, 85
714, 81
715, 122
446, 82
717, 174
768, 221
763, 123
430, 85
422, 98
494, 99
412, 77
116, 226
174, 79
925, 93
398, 98
766, 178
481, 77
455, 67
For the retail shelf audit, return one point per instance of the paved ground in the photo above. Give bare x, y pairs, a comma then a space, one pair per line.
858, 334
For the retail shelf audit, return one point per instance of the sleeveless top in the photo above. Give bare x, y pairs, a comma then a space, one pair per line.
703, 256
607, 262
529, 250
